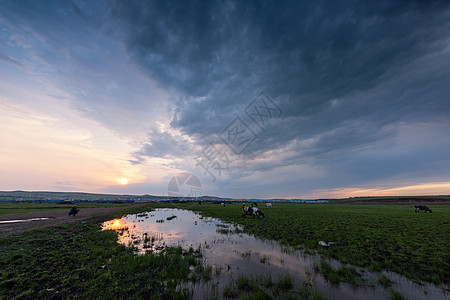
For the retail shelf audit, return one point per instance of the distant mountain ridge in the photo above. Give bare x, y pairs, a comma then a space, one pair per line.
47, 195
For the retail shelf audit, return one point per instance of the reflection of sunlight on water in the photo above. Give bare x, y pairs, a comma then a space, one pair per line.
115, 224
241, 254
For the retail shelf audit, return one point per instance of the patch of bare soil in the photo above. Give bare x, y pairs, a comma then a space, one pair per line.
55, 218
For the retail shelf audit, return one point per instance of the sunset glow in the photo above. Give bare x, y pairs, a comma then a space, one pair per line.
114, 225
123, 181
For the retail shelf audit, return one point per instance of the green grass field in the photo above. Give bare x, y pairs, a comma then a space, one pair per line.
375, 236
81, 261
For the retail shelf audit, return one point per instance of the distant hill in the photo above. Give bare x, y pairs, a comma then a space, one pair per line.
45, 195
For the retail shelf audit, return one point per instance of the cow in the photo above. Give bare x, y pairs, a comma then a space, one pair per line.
268, 205
73, 211
418, 208
251, 211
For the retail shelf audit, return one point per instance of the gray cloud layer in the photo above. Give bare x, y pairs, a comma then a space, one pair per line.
349, 76
340, 71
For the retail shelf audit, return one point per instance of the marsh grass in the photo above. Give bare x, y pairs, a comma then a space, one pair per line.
284, 283
374, 236
80, 260
249, 289
307, 292
246, 254
264, 287
395, 295
226, 229
384, 281
328, 272
223, 231
343, 273
350, 275
267, 281
265, 260
230, 291
223, 225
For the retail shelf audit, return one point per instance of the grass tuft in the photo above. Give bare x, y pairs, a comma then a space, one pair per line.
384, 281
396, 295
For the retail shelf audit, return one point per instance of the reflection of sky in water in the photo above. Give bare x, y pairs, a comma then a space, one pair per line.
241, 254
186, 230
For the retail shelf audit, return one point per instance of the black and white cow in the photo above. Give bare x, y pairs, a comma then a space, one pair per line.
251, 211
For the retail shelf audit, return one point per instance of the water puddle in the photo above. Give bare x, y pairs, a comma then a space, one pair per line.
23, 220
234, 254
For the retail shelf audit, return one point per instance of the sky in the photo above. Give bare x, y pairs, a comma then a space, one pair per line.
240, 99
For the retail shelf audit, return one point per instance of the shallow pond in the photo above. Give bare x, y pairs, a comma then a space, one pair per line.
234, 254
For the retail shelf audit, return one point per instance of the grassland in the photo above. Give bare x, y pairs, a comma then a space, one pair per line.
80, 261
375, 236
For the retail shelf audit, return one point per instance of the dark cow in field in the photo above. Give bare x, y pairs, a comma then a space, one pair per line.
73, 211
251, 211
418, 208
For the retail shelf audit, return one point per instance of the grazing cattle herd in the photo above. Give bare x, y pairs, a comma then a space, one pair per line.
255, 212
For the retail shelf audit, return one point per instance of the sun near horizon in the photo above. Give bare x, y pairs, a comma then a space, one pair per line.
123, 181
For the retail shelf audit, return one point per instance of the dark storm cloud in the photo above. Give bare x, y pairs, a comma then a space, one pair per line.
339, 70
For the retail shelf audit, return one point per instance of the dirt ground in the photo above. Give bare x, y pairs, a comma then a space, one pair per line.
55, 218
